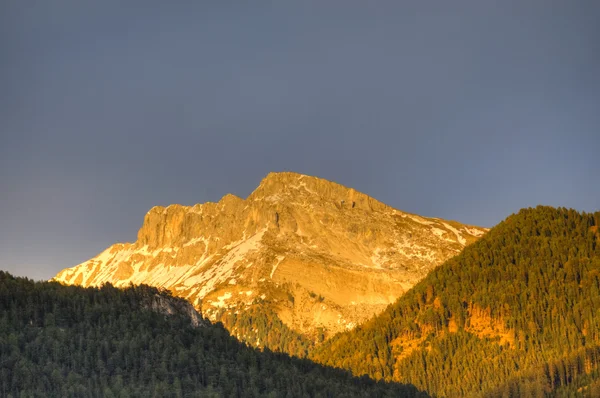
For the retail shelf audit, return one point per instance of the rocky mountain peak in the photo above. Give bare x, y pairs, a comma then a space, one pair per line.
279, 187
321, 256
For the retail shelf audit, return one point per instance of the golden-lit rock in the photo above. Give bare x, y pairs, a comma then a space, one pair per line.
321, 255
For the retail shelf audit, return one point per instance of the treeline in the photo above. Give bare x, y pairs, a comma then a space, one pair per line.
515, 314
66, 341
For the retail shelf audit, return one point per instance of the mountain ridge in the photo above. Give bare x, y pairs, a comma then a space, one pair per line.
322, 256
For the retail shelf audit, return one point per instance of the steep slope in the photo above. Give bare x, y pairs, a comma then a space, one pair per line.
515, 314
309, 254
67, 341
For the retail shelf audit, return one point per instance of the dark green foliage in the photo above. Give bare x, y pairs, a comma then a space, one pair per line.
536, 276
260, 324
66, 341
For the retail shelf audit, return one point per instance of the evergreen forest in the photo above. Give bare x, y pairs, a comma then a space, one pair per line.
67, 341
516, 314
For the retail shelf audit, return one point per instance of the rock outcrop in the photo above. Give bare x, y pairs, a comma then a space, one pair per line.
169, 305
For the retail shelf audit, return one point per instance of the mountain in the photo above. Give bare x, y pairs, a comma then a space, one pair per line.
298, 260
68, 341
515, 314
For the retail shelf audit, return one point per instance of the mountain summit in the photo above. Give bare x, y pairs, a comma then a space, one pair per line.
317, 256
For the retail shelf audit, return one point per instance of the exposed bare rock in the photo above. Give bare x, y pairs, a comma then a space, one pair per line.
176, 306
321, 255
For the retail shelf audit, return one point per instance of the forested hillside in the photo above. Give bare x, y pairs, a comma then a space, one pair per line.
67, 341
515, 314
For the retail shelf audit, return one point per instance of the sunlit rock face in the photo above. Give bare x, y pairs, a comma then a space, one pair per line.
321, 256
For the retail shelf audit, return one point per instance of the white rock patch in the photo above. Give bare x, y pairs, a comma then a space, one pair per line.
221, 300
437, 231
279, 259
474, 231
459, 237
421, 220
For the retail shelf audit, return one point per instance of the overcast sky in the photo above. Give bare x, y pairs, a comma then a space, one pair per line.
465, 110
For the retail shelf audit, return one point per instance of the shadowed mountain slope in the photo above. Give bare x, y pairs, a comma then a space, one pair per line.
67, 341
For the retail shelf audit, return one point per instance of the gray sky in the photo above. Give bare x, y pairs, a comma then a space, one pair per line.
465, 110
